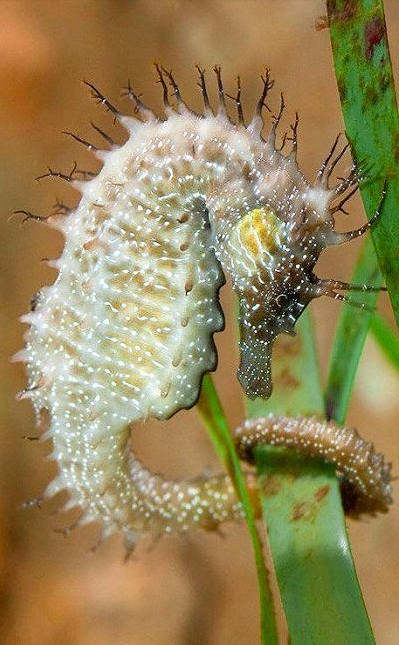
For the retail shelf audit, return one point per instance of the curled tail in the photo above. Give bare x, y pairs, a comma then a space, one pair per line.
114, 487
365, 477
111, 485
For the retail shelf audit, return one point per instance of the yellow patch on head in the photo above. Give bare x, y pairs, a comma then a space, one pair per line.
258, 230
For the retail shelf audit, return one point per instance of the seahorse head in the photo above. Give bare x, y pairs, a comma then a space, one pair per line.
269, 232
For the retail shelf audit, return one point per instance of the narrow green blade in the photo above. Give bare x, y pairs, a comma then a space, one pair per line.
387, 341
367, 92
214, 419
350, 335
302, 510
311, 554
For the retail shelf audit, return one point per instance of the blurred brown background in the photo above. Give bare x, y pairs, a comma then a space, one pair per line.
201, 590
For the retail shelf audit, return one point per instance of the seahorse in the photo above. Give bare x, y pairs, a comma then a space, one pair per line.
125, 332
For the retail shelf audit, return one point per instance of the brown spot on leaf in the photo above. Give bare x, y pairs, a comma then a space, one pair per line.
287, 347
341, 88
285, 379
342, 12
321, 492
271, 485
371, 95
302, 510
374, 32
308, 509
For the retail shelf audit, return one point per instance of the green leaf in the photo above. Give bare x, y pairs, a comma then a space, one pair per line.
317, 579
367, 92
350, 336
386, 339
302, 510
215, 421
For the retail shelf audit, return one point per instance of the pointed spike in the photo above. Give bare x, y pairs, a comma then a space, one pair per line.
22, 394
222, 101
256, 126
70, 179
101, 99
334, 163
130, 540
341, 238
257, 123
85, 519
237, 100
69, 506
58, 223
348, 301
345, 183
161, 80
139, 107
86, 174
104, 135
54, 263
28, 318
283, 142
276, 120
325, 163
85, 143
347, 286
107, 530
181, 105
102, 155
45, 436
19, 357
294, 138
52, 173
54, 487
59, 208
267, 86
30, 216
204, 91
340, 205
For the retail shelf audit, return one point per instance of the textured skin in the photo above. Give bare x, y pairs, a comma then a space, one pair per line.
366, 483
125, 332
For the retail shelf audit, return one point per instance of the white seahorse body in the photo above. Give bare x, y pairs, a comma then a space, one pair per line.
125, 332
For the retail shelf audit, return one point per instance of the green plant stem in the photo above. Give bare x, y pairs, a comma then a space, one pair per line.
366, 87
214, 419
311, 554
387, 341
302, 509
350, 336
